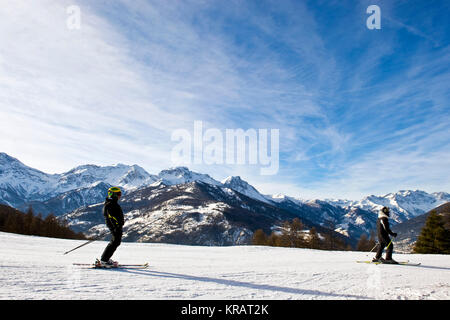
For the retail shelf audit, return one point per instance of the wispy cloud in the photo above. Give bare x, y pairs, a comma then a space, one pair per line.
340, 94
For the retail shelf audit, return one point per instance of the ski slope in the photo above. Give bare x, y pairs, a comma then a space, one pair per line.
35, 268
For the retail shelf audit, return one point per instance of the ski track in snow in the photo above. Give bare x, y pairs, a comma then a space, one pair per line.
35, 268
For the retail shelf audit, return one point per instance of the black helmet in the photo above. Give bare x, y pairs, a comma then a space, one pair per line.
385, 210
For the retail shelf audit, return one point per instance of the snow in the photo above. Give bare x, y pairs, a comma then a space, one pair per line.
35, 268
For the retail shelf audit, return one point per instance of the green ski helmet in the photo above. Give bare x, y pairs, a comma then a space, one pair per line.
114, 192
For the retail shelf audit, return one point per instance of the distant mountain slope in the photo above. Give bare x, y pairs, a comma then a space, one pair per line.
192, 213
352, 222
70, 200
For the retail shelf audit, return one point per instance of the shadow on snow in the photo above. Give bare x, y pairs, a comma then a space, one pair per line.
241, 284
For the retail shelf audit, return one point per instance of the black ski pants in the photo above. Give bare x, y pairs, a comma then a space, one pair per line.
116, 239
383, 244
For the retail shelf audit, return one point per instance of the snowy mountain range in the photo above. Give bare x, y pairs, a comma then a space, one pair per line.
181, 206
20, 184
404, 204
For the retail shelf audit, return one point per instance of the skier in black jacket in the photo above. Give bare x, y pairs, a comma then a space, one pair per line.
383, 237
114, 221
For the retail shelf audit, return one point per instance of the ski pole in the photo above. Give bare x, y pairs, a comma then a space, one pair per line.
372, 249
86, 243
389, 244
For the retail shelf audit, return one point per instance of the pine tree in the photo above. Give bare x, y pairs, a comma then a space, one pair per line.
36, 225
297, 233
434, 237
330, 242
285, 239
291, 235
363, 243
28, 221
259, 238
372, 240
314, 240
274, 240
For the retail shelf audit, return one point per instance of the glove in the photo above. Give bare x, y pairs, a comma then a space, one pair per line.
394, 234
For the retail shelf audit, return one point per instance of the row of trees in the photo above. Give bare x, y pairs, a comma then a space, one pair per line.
292, 234
12, 220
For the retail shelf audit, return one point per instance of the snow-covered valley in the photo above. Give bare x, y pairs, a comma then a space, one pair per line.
35, 268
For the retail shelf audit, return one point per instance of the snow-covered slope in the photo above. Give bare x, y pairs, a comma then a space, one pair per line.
35, 268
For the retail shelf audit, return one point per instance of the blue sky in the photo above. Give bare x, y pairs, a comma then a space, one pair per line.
359, 111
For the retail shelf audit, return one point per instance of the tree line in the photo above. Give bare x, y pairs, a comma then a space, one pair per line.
292, 234
15, 221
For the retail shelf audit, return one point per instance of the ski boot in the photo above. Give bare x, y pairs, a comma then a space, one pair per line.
377, 260
390, 261
106, 264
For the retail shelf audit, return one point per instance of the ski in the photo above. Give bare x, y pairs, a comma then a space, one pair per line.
378, 262
403, 263
368, 261
120, 266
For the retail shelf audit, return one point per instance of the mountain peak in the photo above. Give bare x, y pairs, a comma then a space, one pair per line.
242, 186
4, 155
180, 175
233, 179
6, 159
82, 168
177, 170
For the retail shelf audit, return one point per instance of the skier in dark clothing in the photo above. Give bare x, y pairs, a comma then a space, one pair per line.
114, 221
383, 237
